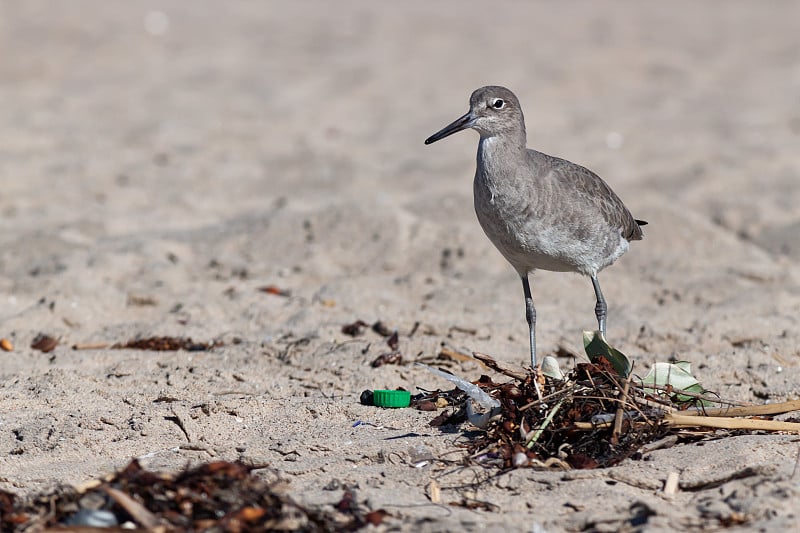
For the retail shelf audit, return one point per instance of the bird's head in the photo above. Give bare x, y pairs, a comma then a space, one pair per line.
493, 111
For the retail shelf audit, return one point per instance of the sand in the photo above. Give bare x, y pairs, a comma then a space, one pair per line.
162, 163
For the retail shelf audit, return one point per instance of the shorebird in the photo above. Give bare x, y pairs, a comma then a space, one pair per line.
540, 211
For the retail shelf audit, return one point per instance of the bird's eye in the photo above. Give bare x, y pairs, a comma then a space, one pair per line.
498, 103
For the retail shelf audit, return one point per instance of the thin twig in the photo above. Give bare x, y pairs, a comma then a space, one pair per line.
620, 413
138, 512
90, 346
589, 426
449, 353
545, 423
747, 410
664, 405
698, 395
535, 379
666, 442
497, 366
544, 399
680, 420
594, 387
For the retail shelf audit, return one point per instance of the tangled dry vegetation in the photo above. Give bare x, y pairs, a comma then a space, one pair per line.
219, 496
595, 416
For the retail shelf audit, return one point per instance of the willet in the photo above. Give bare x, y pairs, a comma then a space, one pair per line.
540, 211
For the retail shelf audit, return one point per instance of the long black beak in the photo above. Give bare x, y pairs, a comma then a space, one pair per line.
459, 124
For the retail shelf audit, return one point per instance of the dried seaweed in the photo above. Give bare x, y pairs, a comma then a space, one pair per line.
390, 358
219, 496
44, 343
532, 429
275, 291
593, 418
167, 344
354, 329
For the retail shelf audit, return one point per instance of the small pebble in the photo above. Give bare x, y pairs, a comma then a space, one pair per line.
6, 345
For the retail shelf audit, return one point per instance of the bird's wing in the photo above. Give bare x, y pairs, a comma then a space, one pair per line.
585, 184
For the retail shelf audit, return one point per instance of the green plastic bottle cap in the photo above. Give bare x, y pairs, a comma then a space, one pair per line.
391, 398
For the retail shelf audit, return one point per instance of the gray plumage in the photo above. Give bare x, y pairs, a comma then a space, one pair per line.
540, 211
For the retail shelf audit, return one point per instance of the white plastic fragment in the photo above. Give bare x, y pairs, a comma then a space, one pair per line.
491, 405
481, 420
472, 390
420, 455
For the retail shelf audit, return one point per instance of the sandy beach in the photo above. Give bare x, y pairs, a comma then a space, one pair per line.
163, 164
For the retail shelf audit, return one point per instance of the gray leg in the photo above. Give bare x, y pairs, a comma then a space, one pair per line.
530, 314
601, 309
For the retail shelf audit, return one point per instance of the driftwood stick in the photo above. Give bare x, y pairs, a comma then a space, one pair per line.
90, 346
138, 512
719, 478
455, 355
680, 420
683, 421
620, 413
497, 366
747, 410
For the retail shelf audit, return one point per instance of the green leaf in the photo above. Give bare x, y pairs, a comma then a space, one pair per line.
677, 375
595, 345
684, 365
551, 369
